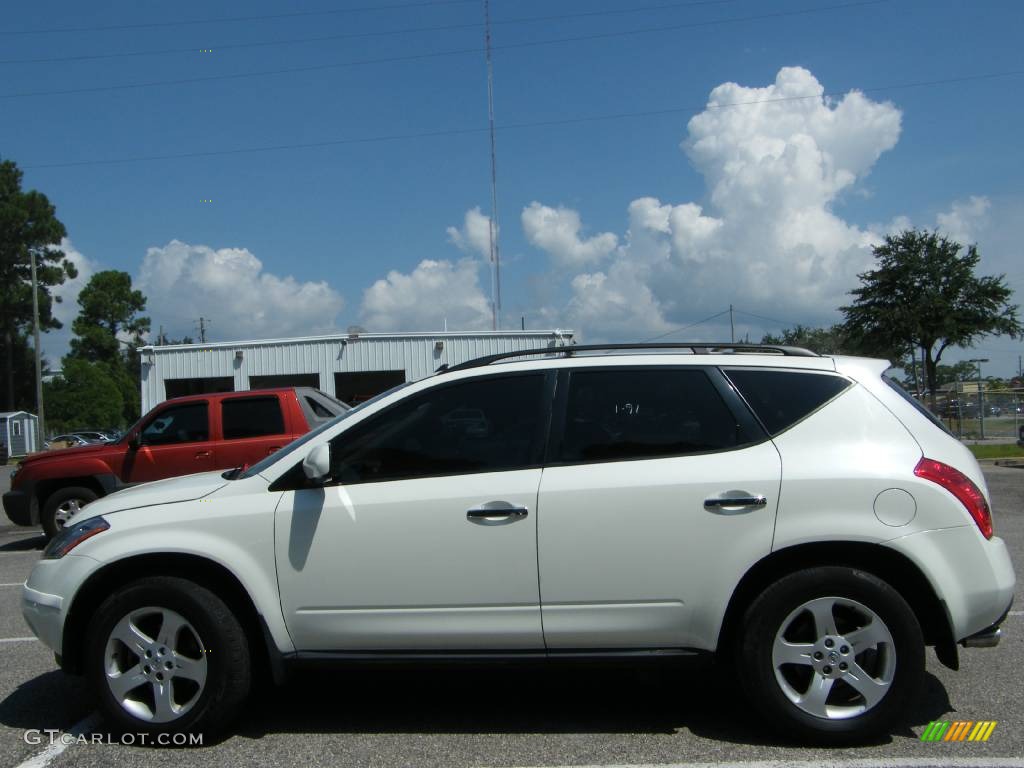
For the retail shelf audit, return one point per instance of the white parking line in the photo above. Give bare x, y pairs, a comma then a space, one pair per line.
1015, 613
17, 639
939, 761
13, 584
58, 745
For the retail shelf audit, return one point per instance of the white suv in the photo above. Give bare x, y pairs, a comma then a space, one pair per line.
799, 515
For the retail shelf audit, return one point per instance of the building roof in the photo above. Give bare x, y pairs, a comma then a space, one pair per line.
8, 414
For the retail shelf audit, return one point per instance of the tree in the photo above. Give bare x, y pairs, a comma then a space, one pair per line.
109, 312
28, 224
82, 396
824, 341
924, 296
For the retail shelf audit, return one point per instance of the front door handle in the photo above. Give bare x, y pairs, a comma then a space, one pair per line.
202, 454
732, 502
496, 511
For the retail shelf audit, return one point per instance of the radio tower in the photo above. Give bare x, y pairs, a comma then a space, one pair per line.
493, 223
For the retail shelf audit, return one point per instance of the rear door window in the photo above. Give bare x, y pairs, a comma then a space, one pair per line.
781, 398
620, 414
251, 417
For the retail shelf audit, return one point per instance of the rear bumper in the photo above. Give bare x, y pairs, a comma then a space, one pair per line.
21, 506
972, 576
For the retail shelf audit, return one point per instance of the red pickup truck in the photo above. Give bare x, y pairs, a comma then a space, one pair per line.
180, 436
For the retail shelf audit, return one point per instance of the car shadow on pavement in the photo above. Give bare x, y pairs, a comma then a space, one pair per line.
552, 698
27, 544
51, 700
650, 698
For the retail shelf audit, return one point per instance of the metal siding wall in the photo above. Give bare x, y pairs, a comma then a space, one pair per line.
416, 355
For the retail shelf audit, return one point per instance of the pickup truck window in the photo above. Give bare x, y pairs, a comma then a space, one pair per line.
251, 417
178, 424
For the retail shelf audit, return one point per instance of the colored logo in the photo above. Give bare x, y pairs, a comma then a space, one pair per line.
958, 730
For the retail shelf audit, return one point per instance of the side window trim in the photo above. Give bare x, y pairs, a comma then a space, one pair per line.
733, 403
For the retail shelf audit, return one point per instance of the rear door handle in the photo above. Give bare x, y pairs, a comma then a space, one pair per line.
496, 511
732, 502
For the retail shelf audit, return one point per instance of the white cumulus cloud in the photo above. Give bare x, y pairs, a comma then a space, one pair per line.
474, 237
965, 219
436, 292
230, 288
767, 240
557, 231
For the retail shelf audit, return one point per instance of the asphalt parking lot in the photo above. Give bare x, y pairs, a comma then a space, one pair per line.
510, 716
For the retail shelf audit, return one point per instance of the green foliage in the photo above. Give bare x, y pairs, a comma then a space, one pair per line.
84, 395
924, 296
110, 308
28, 224
824, 341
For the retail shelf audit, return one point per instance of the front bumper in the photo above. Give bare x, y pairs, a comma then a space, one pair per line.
21, 506
46, 596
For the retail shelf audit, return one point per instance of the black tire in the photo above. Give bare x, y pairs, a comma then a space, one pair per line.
221, 640
48, 518
765, 617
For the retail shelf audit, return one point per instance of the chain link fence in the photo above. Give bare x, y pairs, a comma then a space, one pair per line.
974, 413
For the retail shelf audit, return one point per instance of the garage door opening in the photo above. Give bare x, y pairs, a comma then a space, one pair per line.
182, 387
285, 380
356, 387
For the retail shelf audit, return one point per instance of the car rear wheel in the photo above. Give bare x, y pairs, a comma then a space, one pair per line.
166, 655
62, 505
831, 654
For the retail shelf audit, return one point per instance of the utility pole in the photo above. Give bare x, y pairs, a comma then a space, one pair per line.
493, 222
981, 393
41, 418
732, 326
202, 329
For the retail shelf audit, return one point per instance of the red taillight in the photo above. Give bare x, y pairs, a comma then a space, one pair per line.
957, 483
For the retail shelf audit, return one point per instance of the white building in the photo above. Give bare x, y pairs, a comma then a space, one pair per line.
352, 367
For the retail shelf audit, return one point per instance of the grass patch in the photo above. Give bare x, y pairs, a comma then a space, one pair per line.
1003, 451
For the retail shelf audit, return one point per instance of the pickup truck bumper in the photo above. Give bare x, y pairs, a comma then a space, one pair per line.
21, 506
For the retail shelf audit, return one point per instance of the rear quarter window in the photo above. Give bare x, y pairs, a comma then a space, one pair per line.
781, 398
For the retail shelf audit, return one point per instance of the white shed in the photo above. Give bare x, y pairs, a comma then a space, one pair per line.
352, 367
19, 432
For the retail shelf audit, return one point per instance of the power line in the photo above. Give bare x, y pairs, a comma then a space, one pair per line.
437, 54
515, 126
783, 323
685, 327
229, 19
367, 34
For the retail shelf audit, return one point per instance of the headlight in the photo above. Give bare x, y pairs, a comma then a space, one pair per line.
69, 538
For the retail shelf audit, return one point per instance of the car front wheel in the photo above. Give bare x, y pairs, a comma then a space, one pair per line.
832, 655
167, 655
61, 506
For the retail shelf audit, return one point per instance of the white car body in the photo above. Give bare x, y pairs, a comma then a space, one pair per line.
612, 556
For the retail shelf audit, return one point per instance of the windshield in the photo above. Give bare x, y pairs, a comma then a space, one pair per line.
294, 445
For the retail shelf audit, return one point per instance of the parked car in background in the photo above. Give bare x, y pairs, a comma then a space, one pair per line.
70, 440
800, 516
178, 437
93, 437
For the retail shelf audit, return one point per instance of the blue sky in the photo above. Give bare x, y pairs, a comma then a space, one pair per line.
632, 234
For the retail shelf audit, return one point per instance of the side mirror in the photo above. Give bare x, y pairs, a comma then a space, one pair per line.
134, 442
317, 464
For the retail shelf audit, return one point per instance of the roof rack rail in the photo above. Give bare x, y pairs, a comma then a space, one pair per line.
697, 348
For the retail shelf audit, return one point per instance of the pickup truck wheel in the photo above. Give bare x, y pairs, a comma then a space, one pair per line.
831, 655
62, 505
167, 655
